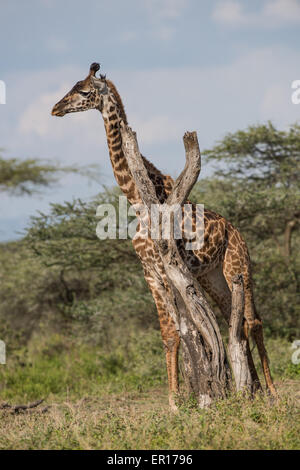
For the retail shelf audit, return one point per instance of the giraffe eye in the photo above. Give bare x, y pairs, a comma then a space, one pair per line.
84, 93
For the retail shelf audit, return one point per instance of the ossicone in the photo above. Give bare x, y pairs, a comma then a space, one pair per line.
94, 68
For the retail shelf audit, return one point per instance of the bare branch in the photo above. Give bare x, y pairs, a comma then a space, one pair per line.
189, 175
137, 166
18, 408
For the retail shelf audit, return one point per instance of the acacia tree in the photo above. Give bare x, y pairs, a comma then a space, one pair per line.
256, 186
266, 162
66, 239
260, 208
28, 176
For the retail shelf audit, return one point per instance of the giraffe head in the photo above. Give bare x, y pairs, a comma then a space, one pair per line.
85, 94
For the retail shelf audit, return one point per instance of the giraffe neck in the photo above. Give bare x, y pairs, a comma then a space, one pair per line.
113, 113
112, 116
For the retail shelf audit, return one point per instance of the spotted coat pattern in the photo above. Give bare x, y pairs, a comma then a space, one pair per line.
223, 254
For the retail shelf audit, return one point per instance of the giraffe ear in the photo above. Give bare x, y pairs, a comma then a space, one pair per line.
94, 68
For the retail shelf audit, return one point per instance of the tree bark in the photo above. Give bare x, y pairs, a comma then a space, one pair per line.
237, 345
206, 366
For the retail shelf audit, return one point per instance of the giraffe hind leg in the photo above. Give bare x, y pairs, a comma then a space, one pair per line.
255, 328
256, 382
257, 333
216, 285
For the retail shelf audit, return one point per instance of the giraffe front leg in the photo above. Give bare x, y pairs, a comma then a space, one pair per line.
170, 336
171, 343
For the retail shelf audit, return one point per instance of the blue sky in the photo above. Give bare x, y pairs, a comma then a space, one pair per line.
211, 66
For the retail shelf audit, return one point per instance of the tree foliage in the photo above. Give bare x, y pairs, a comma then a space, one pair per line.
100, 281
260, 154
28, 176
257, 189
62, 267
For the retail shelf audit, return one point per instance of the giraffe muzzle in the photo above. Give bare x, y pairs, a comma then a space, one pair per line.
58, 110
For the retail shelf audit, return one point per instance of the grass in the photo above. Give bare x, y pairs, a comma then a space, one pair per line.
141, 420
117, 399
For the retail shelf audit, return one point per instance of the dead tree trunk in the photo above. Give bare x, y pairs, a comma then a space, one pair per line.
206, 367
237, 345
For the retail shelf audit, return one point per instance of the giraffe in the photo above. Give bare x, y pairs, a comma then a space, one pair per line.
223, 254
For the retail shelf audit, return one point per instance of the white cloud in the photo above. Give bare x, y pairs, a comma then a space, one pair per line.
36, 118
161, 105
229, 12
273, 13
156, 129
37, 121
166, 9
34, 131
282, 11
163, 16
